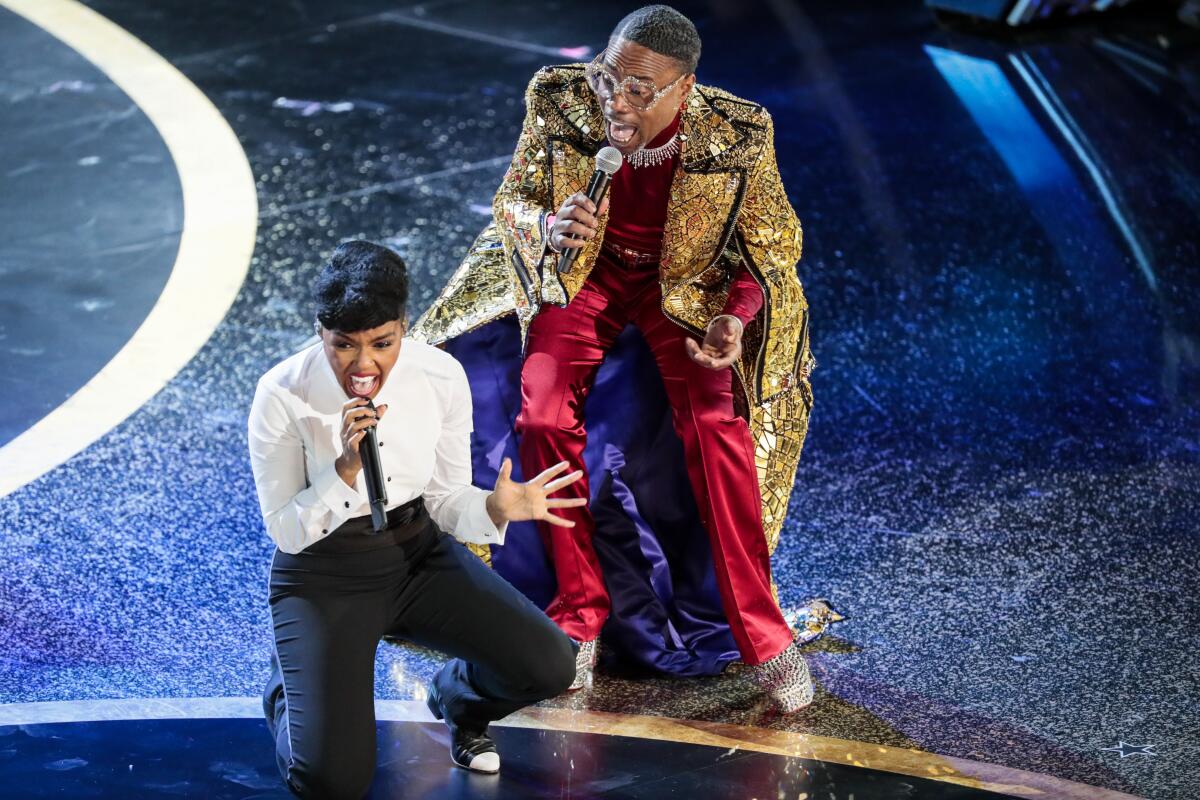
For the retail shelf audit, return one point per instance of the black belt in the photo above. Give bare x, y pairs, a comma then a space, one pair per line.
396, 517
403, 514
405, 522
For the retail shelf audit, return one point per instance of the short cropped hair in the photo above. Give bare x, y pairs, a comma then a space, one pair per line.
363, 286
663, 30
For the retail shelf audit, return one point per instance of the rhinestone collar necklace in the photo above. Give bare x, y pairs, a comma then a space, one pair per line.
655, 155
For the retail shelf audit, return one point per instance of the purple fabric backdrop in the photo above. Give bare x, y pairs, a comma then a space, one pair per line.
666, 612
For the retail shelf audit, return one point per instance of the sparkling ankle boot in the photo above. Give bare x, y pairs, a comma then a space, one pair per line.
786, 679
585, 663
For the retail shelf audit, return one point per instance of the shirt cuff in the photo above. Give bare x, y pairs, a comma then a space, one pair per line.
340, 499
476, 526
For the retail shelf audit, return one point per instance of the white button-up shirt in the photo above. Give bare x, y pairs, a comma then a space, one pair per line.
424, 447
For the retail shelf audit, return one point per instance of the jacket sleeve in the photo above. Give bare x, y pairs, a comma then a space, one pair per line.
767, 224
523, 200
771, 239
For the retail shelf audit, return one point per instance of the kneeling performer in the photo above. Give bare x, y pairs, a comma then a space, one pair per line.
338, 586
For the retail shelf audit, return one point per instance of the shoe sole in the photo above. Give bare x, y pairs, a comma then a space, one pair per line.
790, 709
472, 769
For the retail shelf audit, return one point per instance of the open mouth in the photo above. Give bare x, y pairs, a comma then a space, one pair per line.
620, 133
363, 385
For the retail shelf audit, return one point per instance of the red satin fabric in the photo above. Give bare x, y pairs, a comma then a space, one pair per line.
564, 352
745, 297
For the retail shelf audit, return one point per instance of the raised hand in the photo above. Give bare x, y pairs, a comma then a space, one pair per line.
576, 222
514, 502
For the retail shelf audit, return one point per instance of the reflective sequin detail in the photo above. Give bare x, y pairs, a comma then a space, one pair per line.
652, 157
728, 207
785, 678
585, 664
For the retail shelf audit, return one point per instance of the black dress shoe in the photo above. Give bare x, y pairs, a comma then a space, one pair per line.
474, 751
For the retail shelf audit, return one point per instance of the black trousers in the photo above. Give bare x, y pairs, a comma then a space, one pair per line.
332, 603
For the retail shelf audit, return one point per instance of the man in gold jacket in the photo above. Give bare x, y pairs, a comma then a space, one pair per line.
696, 245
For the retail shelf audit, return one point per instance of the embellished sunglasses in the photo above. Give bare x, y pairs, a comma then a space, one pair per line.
639, 93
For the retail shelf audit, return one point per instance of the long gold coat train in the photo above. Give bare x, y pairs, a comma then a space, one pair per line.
727, 208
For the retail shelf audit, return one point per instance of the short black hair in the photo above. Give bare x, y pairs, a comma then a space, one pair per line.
363, 286
663, 30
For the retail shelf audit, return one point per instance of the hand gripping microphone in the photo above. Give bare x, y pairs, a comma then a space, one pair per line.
368, 452
608, 161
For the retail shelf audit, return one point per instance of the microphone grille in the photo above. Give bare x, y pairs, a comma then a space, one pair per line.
609, 159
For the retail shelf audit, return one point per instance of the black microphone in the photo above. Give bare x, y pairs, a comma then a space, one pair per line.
608, 161
368, 452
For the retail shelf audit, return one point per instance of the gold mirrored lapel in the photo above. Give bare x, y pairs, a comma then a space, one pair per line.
706, 190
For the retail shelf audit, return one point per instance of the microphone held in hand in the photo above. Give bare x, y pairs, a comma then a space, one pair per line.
608, 161
368, 452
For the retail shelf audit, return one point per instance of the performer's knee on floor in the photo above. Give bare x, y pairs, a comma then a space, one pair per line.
338, 777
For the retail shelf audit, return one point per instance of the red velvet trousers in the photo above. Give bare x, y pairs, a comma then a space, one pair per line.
564, 351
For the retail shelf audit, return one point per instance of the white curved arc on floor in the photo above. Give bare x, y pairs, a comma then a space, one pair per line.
55, 711
903, 761
220, 211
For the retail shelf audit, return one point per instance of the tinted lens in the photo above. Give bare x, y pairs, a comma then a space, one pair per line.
601, 82
638, 94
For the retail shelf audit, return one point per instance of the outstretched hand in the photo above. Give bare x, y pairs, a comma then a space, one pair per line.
514, 502
722, 344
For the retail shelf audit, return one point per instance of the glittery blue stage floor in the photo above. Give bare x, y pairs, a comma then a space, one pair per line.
1000, 485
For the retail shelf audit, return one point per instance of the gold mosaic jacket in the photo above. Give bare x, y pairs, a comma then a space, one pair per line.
727, 208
